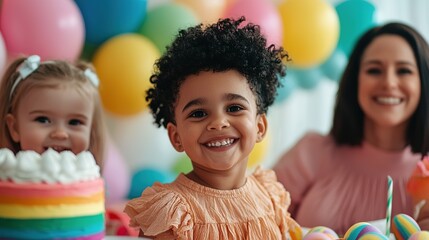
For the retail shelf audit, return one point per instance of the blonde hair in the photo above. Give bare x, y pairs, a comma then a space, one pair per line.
52, 74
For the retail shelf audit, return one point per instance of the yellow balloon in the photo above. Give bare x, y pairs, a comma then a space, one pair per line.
124, 65
208, 11
259, 151
310, 30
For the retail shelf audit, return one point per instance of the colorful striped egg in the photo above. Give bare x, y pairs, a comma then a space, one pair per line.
373, 236
420, 235
359, 229
403, 226
321, 229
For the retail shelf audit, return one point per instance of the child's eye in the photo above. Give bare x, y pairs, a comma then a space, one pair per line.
76, 122
42, 119
197, 114
234, 108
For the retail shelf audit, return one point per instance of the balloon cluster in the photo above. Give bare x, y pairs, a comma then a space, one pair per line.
124, 40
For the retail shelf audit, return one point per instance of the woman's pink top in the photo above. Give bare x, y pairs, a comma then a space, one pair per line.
187, 210
338, 186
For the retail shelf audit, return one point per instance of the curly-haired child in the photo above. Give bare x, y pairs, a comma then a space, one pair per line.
211, 91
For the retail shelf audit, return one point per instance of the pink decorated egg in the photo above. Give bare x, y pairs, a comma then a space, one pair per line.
403, 226
325, 230
356, 231
421, 235
316, 236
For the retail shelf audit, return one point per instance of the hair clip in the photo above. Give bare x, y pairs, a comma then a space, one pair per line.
25, 69
92, 76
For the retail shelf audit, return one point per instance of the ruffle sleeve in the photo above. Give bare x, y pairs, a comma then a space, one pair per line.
159, 212
281, 202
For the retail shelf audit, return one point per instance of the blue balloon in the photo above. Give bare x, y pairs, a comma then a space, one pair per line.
356, 16
107, 18
307, 78
288, 85
334, 66
146, 177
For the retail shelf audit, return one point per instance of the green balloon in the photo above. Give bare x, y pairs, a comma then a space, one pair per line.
162, 23
88, 51
183, 164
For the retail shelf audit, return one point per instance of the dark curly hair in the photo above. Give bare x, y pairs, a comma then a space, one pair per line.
217, 47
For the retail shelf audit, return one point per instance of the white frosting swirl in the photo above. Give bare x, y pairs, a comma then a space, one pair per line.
50, 167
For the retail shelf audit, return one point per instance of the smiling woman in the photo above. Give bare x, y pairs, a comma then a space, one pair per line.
379, 129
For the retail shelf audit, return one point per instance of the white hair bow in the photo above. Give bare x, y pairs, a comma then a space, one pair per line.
92, 77
25, 69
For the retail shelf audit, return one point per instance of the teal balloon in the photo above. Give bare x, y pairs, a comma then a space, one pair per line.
183, 164
356, 17
107, 18
307, 78
163, 23
334, 66
288, 86
146, 177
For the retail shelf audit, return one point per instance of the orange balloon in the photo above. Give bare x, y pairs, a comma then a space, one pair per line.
208, 11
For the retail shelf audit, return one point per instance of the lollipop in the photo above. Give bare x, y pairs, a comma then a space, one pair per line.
404, 226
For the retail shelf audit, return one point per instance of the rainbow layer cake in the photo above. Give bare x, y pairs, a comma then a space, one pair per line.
50, 196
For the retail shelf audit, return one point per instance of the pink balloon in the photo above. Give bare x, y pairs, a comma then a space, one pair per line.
3, 55
53, 29
116, 175
261, 12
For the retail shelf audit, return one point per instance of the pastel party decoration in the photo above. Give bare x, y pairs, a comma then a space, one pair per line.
164, 21
208, 11
403, 226
108, 18
307, 78
334, 66
261, 12
373, 236
124, 64
421, 235
116, 174
316, 236
310, 30
288, 86
325, 230
146, 177
183, 164
357, 230
3, 54
355, 16
389, 204
50, 29
259, 151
